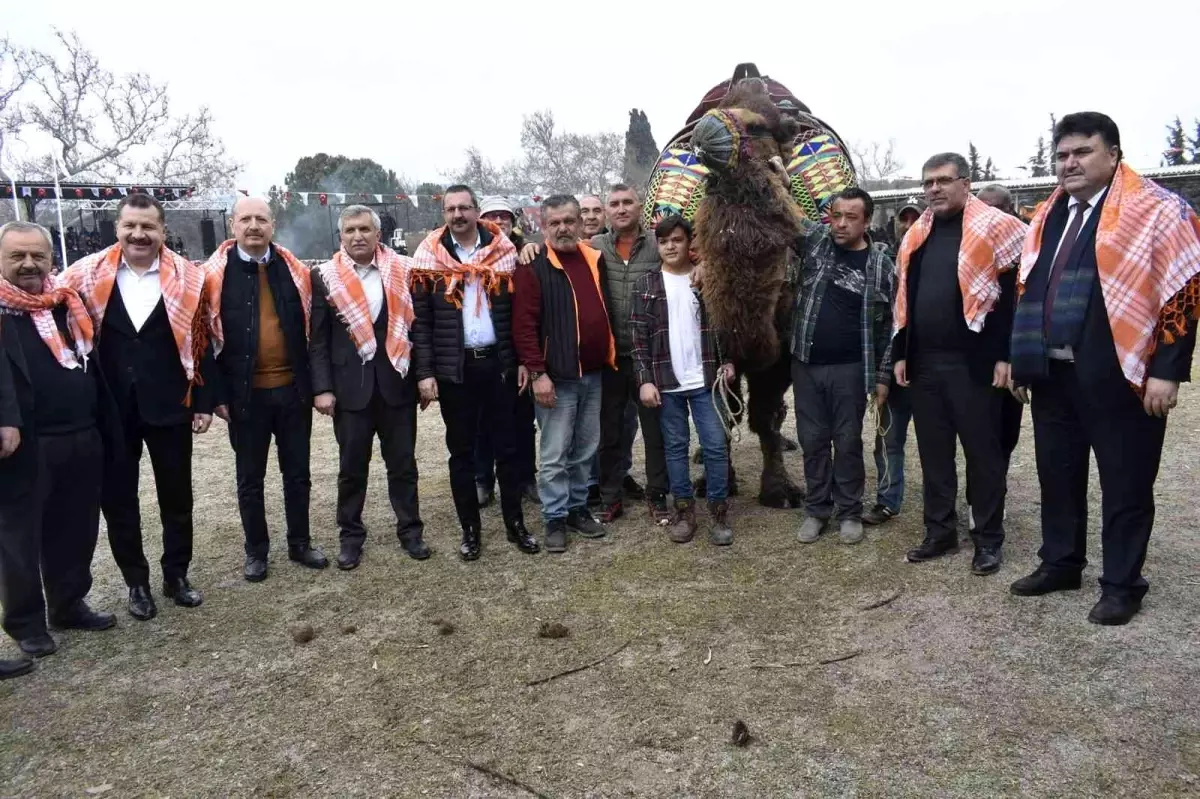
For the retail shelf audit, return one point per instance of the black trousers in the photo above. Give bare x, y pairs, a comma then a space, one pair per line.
355, 431
948, 406
171, 458
48, 538
1011, 411
1067, 422
524, 439
286, 415
486, 397
830, 403
616, 389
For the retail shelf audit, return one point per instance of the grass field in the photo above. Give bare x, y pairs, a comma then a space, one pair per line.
416, 682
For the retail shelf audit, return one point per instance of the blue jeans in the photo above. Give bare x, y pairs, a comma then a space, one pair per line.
677, 436
890, 473
570, 436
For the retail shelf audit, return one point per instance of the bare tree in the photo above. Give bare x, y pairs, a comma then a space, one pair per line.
479, 173
110, 127
876, 164
17, 65
568, 162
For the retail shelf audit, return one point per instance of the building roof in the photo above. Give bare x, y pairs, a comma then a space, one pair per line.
1183, 170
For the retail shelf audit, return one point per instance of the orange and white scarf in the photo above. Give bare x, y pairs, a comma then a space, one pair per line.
347, 296
991, 244
40, 308
182, 284
214, 280
1148, 261
493, 264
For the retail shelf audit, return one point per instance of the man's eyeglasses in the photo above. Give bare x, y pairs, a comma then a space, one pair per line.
941, 182
462, 209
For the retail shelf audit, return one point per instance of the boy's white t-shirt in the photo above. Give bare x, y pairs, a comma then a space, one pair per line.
683, 311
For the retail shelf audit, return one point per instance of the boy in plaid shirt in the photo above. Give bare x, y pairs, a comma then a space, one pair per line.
676, 355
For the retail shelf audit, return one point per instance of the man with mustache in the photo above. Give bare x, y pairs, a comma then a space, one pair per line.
955, 286
359, 355
50, 484
259, 304
1105, 332
591, 208
462, 339
144, 300
562, 337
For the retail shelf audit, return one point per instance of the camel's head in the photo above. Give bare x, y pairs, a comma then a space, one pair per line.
746, 127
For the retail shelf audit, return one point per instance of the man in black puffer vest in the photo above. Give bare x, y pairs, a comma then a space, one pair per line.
463, 353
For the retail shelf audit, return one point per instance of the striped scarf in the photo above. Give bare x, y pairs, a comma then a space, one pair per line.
182, 285
991, 244
493, 264
40, 308
348, 298
1148, 263
214, 279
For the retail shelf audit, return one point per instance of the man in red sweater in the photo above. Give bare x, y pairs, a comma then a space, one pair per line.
563, 340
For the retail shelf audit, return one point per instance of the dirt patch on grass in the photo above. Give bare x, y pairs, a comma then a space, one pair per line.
415, 679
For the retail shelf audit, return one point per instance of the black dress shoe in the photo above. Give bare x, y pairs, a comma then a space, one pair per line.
81, 617
932, 548
416, 548
179, 589
1045, 581
1114, 610
14, 668
308, 555
38, 646
471, 546
141, 603
986, 561
349, 556
255, 570
520, 536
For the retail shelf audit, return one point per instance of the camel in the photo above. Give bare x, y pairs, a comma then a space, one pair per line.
749, 165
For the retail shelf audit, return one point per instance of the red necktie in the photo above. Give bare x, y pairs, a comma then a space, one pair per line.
1060, 262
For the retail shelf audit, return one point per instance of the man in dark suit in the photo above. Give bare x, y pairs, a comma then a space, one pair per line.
50, 485
144, 300
261, 337
359, 363
10, 441
1104, 334
462, 340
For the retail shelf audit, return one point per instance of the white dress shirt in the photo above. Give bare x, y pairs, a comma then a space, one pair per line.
1072, 210
250, 259
140, 293
478, 330
372, 283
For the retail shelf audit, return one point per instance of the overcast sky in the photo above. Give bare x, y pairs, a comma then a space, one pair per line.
412, 85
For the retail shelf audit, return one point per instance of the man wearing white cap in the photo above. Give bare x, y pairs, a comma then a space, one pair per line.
500, 211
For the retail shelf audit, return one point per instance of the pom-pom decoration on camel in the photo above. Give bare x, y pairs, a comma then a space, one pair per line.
749, 165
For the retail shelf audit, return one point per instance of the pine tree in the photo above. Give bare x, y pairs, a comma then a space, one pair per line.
1038, 166
989, 170
641, 153
1194, 144
973, 162
1176, 152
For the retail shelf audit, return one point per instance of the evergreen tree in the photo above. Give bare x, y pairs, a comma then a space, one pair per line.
1176, 152
641, 153
1038, 166
989, 170
973, 163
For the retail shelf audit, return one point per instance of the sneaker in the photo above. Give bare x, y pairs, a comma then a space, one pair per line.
556, 535
611, 512
878, 515
850, 531
660, 513
581, 521
682, 526
810, 531
632, 489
